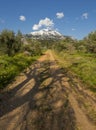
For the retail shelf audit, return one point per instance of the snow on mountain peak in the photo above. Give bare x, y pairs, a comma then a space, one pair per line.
47, 32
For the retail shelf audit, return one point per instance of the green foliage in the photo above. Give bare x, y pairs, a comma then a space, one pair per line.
82, 64
34, 47
18, 42
79, 57
90, 42
8, 38
65, 45
85, 69
10, 42
15, 55
87, 45
12, 66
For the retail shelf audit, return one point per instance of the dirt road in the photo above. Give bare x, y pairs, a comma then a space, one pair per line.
41, 98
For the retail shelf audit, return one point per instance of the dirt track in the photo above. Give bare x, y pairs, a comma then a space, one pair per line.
41, 99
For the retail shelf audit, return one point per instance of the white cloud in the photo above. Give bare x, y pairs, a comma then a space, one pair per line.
73, 29
60, 15
35, 27
22, 18
85, 15
43, 22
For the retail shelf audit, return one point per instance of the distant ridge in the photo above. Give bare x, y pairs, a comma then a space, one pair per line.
46, 34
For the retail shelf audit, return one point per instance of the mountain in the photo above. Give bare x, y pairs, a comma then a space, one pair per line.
46, 34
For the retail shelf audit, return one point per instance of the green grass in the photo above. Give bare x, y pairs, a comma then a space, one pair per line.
12, 66
82, 64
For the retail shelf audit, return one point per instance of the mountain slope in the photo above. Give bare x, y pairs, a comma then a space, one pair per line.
46, 34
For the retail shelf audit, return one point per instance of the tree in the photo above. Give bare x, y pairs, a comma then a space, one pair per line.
18, 42
8, 38
12, 43
90, 41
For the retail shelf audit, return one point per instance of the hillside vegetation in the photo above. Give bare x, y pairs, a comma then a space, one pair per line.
79, 57
56, 92
15, 56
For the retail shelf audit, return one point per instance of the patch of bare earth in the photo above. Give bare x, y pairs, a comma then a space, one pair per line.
41, 98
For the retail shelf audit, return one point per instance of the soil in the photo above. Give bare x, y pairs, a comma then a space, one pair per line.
42, 98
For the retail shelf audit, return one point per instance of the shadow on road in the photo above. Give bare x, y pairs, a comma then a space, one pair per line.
47, 102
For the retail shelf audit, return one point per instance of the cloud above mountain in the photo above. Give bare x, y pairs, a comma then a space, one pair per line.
60, 15
85, 15
73, 29
47, 22
22, 18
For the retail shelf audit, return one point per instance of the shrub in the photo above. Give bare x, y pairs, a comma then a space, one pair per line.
12, 66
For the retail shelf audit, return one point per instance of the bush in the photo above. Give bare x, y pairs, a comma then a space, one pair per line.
12, 66
83, 65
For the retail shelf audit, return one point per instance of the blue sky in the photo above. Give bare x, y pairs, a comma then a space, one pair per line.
75, 18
